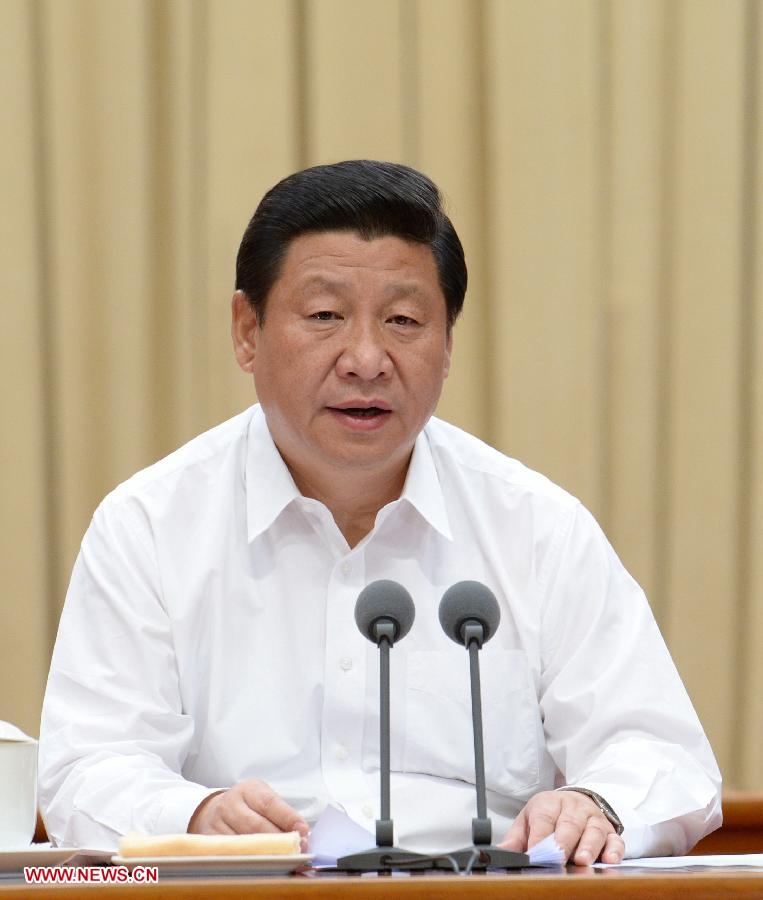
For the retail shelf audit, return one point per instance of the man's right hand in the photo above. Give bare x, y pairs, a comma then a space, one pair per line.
247, 808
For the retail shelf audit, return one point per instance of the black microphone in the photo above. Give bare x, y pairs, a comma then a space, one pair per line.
384, 613
469, 615
382, 604
469, 604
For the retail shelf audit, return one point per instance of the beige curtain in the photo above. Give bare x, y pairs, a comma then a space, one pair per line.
603, 164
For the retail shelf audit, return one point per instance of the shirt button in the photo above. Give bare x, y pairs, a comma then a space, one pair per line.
368, 811
345, 568
341, 753
346, 663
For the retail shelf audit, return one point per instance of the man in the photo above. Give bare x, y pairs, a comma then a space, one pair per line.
208, 674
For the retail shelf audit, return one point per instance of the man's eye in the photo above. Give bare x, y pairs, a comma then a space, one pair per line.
324, 315
402, 320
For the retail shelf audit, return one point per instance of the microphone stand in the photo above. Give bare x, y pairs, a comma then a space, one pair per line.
385, 856
487, 855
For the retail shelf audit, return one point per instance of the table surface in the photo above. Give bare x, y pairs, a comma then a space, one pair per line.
742, 829
571, 882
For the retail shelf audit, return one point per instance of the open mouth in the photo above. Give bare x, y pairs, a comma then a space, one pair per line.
362, 412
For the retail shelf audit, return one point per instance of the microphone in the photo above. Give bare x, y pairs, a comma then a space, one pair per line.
471, 605
380, 605
384, 614
469, 615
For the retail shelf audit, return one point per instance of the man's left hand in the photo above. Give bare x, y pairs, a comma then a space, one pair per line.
580, 828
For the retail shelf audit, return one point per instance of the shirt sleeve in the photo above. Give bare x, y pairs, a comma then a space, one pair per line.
616, 715
113, 736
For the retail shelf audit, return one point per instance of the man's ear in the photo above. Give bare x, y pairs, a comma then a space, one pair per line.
448, 348
244, 330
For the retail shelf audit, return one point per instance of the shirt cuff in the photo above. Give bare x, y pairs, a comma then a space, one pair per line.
177, 805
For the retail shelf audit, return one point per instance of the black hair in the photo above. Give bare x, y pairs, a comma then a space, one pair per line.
371, 198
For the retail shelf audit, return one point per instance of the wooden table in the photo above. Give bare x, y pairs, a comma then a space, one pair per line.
572, 883
742, 829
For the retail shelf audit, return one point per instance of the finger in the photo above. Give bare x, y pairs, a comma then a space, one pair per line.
244, 820
516, 836
592, 840
569, 829
541, 823
614, 849
263, 800
218, 825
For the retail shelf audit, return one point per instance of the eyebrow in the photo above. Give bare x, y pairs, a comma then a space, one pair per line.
403, 289
322, 283
340, 286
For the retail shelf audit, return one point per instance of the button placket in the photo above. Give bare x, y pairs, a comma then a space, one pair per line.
344, 688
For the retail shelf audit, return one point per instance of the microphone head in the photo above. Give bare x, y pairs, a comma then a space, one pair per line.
384, 600
469, 600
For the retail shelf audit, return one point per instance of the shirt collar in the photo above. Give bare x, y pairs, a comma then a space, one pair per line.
423, 489
270, 487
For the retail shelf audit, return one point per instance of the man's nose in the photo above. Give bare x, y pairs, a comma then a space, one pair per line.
364, 355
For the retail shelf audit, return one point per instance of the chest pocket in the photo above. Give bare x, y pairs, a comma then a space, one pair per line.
438, 727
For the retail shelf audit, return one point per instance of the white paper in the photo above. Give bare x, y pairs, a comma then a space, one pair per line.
335, 834
678, 862
546, 853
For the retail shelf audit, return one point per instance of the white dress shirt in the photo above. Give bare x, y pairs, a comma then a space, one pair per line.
208, 637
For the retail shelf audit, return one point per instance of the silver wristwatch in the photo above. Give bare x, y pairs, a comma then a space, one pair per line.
609, 813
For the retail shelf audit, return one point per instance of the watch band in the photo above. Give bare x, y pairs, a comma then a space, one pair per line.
606, 809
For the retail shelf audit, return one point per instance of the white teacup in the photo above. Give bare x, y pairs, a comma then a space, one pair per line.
18, 788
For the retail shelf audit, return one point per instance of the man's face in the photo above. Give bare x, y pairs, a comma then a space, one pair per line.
351, 358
